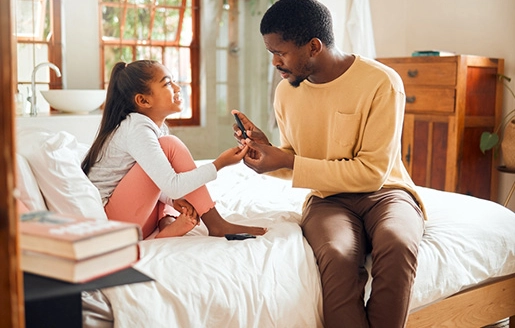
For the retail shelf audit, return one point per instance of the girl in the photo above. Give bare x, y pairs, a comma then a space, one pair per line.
143, 173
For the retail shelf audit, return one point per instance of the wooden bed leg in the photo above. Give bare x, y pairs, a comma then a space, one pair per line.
512, 322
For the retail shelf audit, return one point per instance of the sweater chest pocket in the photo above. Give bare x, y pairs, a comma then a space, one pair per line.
345, 128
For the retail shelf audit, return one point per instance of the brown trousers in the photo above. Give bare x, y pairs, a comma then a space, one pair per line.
342, 229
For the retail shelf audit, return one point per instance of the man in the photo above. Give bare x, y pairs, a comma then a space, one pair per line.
340, 119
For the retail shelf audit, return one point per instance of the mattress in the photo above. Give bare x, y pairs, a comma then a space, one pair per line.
273, 280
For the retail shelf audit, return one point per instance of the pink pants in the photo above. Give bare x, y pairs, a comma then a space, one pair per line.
136, 198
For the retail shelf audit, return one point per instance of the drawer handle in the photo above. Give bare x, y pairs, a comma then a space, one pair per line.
408, 156
412, 73
411, 100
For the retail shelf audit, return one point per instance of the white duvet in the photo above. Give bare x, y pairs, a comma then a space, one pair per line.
273, 281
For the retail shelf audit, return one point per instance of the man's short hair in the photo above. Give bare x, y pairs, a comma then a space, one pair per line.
299, 21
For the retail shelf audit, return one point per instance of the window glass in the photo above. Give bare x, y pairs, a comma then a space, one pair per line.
32, 16
163, 31
37, 42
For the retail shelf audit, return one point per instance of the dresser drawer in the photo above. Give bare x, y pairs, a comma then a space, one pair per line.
426, 73
450, 101
429, 99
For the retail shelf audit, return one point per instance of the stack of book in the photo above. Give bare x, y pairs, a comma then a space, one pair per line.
76, 249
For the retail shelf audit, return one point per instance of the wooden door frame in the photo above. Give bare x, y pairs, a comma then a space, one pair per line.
11, 279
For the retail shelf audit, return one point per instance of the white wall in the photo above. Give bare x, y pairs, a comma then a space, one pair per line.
474, 27
477, 27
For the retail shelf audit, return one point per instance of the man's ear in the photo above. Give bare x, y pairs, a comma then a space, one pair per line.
141, 100
315, 46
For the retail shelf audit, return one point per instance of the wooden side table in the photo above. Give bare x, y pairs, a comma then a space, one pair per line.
507, 170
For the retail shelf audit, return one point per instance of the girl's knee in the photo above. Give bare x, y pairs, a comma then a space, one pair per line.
172, 146
171, 141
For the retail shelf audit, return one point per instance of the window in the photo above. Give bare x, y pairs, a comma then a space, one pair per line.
167, 31
38, 36
227, 59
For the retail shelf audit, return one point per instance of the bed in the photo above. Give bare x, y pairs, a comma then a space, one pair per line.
465, 277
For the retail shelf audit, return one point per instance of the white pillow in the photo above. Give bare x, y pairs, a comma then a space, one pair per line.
27, 186
55, 159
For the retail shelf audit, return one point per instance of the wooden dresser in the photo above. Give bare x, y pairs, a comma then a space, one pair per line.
450, 101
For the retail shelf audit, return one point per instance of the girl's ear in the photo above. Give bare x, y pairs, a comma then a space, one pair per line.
141, 100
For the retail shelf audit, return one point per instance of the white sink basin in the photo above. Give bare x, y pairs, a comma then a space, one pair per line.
74, 100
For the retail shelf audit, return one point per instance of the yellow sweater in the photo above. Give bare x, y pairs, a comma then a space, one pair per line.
345, 134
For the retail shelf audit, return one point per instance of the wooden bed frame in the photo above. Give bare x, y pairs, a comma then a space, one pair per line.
474, 308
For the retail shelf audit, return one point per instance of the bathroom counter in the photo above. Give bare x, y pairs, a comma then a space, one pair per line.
84, 126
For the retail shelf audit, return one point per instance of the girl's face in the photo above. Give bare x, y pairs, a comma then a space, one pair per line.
165, 96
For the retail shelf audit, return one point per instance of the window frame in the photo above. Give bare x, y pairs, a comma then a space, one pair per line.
54, 44
194, 49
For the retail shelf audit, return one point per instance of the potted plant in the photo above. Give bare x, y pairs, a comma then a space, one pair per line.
504, 134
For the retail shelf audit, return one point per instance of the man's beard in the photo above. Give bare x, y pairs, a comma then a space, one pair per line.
298, 80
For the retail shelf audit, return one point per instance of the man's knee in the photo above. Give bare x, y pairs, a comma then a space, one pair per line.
335, 256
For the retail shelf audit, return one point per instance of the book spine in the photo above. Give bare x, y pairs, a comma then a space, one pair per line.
432, 53
425, 53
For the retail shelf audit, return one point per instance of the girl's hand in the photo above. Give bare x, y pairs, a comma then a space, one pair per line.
230, 156
184, 207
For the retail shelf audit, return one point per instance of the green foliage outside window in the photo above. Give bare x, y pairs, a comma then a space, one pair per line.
147, 29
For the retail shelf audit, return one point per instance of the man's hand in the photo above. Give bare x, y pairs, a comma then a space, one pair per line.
253, 132
265, 158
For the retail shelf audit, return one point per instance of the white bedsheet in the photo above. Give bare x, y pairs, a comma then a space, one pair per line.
273, 281
467, 241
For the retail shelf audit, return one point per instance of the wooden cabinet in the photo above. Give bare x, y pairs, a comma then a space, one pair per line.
450, 101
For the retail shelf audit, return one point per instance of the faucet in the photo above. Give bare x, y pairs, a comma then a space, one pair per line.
33, 106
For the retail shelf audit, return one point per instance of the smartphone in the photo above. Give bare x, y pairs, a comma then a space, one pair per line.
238, 236
240, 125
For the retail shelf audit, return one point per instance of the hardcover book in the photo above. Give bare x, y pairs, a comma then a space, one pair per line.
74, 238
432, 53
79, 271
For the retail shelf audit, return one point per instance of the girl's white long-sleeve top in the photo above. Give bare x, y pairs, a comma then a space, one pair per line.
137, 141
